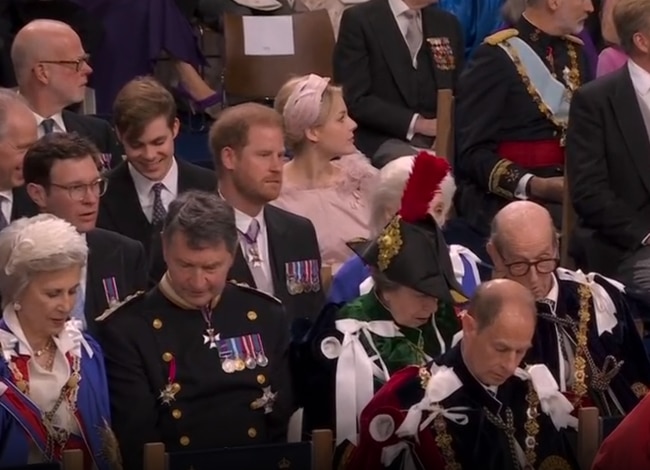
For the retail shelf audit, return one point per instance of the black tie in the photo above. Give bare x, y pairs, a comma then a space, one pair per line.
48, 126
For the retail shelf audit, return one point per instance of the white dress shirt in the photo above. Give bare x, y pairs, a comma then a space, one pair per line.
144, 188
398, 7
59, 125
6, 204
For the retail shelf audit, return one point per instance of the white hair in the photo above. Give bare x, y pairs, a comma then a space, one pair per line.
390, 186
43, 243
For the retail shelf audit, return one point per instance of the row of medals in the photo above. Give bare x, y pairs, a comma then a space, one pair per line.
238, 364
294, 286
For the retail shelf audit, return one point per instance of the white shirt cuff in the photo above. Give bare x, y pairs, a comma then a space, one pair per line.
411, 132
520, 191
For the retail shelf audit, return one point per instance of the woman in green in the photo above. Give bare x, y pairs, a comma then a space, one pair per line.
408, 315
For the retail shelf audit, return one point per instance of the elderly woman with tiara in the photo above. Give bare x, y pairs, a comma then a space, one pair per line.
53, 390
327, 180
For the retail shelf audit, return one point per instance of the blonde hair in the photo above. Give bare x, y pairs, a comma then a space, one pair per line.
608, 29
304, 102
631, 17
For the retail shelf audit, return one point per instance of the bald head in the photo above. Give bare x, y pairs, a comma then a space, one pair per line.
40, 40
499, 296
522, 222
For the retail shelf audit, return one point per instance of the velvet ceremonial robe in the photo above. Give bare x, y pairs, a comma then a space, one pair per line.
315, 373
474, 444
20, 419
629, 443
623, 343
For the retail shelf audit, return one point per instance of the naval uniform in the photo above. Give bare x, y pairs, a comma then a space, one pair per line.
197, 380
504, 130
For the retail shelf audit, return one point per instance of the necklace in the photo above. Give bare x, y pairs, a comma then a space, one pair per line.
47, 348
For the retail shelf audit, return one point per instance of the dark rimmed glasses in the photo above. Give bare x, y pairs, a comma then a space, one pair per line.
78, 63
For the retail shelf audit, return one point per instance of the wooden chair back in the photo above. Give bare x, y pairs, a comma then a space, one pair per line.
444, 143
592, 430
260, 77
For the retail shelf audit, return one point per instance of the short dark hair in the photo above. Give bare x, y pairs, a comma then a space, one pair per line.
234, 123
39, 159
487, 304
138, 103
204, 218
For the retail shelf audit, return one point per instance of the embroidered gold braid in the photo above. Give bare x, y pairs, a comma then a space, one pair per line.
531, 426
389, 243
572, 77
580, 385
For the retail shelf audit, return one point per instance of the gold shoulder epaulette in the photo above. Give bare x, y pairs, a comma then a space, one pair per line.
248, 288
118, 305
575, 39
501, 36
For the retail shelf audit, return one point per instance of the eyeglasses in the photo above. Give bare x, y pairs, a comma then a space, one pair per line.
78, 64
78, 192
542, 266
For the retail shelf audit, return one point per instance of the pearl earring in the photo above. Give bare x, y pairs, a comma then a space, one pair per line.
17, 307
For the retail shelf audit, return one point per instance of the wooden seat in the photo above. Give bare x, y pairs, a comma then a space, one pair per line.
592, 430
72, 460
316, 455
259, 78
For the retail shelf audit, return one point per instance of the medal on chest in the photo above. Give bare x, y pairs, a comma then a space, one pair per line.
171, 388
211, 337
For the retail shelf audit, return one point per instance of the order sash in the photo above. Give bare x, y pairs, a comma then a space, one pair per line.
24, 411
552, 92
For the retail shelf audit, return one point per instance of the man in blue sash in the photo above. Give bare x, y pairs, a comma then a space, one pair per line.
512, 113
585, 332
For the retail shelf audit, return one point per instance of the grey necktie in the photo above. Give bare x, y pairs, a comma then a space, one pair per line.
3, 220
255, 262
48, 126
413, 34
159, 212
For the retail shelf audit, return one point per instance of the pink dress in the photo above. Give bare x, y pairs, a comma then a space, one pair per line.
339, 212
610, 60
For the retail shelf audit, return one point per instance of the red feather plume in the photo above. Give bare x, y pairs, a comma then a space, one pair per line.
427, 173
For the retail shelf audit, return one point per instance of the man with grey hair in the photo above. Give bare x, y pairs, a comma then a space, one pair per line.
586, 332
608, 146
512, 109
52, 72
197, 350
17, 134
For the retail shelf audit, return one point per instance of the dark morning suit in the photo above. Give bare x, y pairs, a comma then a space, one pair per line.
608, 163
111, 255
291, 238
98, 131
373, 64
22, 205
120, 210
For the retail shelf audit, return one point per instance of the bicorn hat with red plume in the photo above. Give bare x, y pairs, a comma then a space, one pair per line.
411, 249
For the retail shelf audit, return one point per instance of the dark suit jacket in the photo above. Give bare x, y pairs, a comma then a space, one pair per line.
22, 205
111, 256
99, 132
290, 238
120, 210
608, 165
373, 64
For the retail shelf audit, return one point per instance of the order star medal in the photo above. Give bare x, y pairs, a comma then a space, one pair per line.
168, 394
210, 337
266, 401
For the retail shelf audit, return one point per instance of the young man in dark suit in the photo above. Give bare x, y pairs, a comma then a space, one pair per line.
608, 157
278, 250
17, 134
140, 189
52, 71
62, 177
390, 57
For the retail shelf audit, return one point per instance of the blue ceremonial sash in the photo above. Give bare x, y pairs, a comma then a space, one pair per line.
471, 278
93, 412
552, 92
